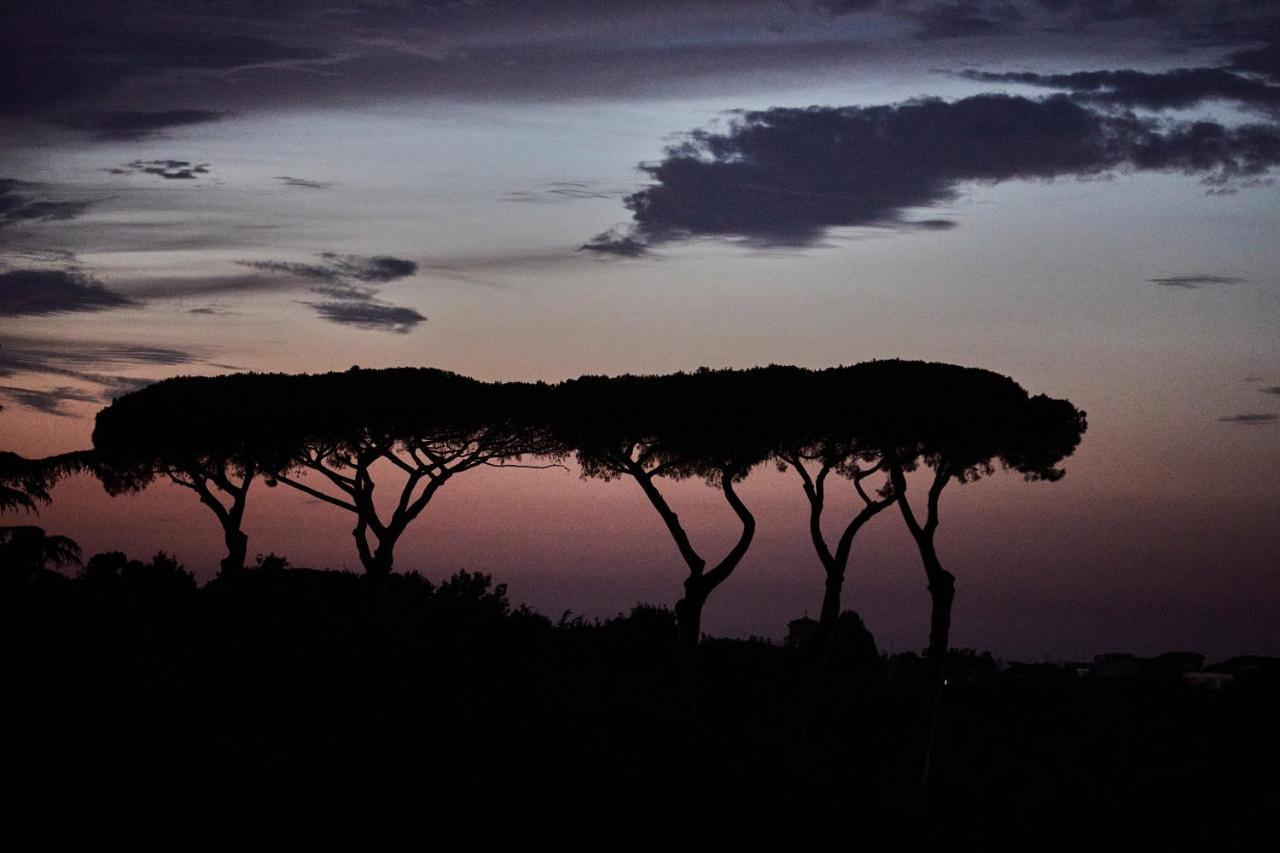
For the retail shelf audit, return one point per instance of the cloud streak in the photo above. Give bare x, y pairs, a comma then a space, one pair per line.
40, 293
83, 362
1179, 88
1250, 419
302, 183
18, 205
372, 315
1192, 282
129, 125
170, 170
349, 283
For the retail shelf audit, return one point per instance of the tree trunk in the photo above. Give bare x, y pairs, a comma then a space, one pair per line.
237, 550
942, 593
829, 619
377, 563
689, 634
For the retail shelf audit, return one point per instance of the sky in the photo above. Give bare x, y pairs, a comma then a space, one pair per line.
1076, 193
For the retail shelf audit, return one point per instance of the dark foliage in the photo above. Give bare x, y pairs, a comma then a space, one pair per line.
299, 709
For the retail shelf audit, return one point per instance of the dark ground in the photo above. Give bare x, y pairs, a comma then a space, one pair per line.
294, 709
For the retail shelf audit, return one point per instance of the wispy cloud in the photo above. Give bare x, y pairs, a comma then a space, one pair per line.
303, 183
373, 315
1250, 419
349, 283
170, 170
21, 204
86, 362
1191, 282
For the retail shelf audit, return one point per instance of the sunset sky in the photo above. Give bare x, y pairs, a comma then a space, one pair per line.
1076, 193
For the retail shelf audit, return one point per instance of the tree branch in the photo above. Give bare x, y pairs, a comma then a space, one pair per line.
691, 557
726, 566
319, 495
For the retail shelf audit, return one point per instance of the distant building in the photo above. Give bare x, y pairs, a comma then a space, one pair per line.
801, 632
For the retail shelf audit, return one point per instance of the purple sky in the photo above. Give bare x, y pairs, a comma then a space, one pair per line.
1078, 194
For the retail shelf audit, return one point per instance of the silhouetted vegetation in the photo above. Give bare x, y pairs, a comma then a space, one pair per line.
273, 678
286, 707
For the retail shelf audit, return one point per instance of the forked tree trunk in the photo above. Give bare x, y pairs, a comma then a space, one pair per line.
700, 581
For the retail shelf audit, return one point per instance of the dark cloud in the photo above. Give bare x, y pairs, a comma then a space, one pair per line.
379, 268
168, 169
290, 181
49, 401
317, 271
1264, 60
1274, 390
614, 242
783, 177
18, 204
844, 7
1190, 282
1250, 419
144, 59
179, 287
62, 52
965, 20
125, 125
349, 284
39, 293
1178, 88
344, 268
85, 362
369, 314
78, 359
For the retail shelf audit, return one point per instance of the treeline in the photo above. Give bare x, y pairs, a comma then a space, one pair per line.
338, 437
286, 708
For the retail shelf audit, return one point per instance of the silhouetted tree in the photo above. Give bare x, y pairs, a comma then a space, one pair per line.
825, 438
828, 414
429, 424
26, 551
25, 483
715, 425
163, 577
960, 424
206, 434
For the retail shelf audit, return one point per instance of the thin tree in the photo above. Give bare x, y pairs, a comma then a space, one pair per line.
714, 425
960, 424
825, 438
